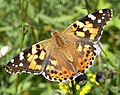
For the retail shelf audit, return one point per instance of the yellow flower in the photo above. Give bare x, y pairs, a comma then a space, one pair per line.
92, 80
77, 87
97, 83
89, 74
82, 93
70, 84
87, 88
63, 87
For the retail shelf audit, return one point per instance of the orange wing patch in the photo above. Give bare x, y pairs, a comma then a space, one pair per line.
85, 30
61, 75
89, 53
38, 52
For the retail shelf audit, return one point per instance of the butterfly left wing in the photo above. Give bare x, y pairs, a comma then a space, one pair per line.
91, 26
31, 60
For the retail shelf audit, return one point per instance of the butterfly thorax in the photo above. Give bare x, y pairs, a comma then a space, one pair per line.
57, 38
63, 46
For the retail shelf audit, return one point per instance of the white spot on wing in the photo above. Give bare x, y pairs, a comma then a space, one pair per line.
99, 20
6, 70
103, 17
92, 17
107, 22
36, 73
16, 65
13, 65
111, 11
103, 14
100, 11
13, 72
12, 60
101, 32
9, 72
21, 57
21, 53
89, 16
17, 72
21, 64
104, 26
29, 72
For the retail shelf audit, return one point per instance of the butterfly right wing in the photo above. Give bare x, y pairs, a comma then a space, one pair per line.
91, 26
31, 60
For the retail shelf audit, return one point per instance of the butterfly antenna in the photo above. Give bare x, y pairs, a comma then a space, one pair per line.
29, 24
55, 23
56, 18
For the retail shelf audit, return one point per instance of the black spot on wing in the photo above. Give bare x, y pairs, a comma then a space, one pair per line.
87, 34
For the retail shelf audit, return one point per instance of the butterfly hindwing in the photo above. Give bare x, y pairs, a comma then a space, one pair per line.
91, 26
69, 62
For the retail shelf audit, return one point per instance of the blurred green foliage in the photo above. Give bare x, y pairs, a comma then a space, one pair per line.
35, 18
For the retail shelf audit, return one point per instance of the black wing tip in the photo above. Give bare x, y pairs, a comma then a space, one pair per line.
7, 69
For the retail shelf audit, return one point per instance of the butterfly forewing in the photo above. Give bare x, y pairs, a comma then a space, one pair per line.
31, 60
91, 26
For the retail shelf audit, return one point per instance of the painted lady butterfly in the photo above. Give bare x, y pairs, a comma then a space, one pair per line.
66, 55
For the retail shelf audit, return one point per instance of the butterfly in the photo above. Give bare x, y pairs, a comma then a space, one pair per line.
65, 55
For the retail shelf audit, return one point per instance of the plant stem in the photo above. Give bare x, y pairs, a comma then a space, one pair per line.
109, 59
23, 17
73, 88
87, 6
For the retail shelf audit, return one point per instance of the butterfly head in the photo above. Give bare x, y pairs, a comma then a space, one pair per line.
54, 32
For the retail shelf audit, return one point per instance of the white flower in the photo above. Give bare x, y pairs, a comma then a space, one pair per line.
3, 51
